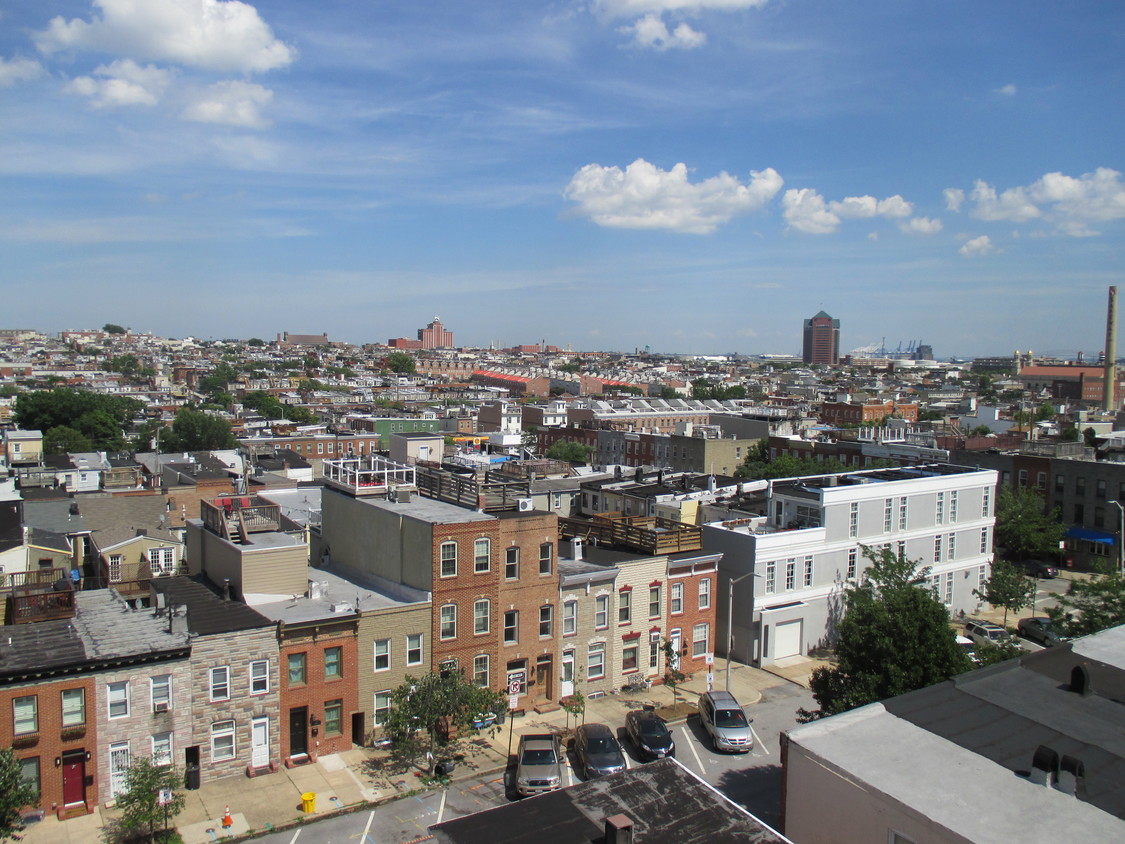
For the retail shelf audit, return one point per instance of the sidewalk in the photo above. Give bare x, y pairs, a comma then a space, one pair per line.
363, 776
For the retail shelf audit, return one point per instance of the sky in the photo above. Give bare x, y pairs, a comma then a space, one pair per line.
694, 176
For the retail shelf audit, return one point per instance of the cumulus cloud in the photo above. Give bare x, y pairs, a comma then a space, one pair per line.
232, 103
807, 211
637, 8
977, 247
954, 199
921, 225
122, 83
642, 196
650, 31
1013, 204
14, 71
223, 35
1008, 90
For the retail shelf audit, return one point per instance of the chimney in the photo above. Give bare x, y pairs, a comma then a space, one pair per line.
178, 620
618, 830
1110, 403
576, 548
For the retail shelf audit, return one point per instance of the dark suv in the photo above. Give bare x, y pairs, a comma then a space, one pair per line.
1037, 568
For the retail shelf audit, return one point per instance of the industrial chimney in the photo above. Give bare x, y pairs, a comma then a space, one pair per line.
1110, 377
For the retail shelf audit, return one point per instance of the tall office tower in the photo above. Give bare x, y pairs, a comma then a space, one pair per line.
435, 336
822, 339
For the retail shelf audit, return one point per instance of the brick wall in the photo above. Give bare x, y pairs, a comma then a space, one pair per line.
393, 626
318, 689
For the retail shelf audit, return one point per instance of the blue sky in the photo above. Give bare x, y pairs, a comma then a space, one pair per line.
691, 175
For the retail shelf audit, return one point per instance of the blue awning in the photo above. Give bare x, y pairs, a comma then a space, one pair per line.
1091, 535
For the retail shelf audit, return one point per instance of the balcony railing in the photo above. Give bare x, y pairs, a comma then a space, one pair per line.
41, 602
367, 475
234, 518
647, 534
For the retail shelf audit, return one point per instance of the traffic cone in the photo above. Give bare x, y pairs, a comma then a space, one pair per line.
228, 821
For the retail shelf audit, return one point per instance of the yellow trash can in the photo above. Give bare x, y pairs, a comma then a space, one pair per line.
308, 801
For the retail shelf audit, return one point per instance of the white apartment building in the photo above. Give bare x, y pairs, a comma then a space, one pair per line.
805, 551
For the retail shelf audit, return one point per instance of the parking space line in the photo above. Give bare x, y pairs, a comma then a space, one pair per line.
367, 829
758, 740
691, 747
441, 808
294, 838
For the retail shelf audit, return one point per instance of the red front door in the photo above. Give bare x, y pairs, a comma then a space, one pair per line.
74, 777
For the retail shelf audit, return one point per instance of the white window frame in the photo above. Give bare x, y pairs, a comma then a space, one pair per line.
447, 623
808, 571
902, 513
570, 617
546, 621
514, 627
259, 682
601, 611
512, 563
118, 765
790, 574
114, 562
412, 648
447, 555
624, 606
25, 717
482, 617
700, 643
654, 600
482, 559
162, 561
162, 749
68, 712
771, 576
219, 689
160, 692
676, 598
381, 708
117, 694
478, 671
705, 593
222, 734
382, 652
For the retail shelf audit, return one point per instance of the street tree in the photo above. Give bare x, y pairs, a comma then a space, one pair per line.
894, 638
1024, 528
195, 430
15, 795
114, 328
1091, 605
400, 362
139, 803
673, 676
571, 452
1007, 587
437, 704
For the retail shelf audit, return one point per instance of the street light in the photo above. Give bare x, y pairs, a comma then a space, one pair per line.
1120, 536
730, 619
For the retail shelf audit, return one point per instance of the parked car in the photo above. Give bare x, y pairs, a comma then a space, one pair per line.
1039, 630
969, 647
1037, 568
539, 764
986, 633
597, 751
649, 734
724, 719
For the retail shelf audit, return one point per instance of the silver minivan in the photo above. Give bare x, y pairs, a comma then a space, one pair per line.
724, 719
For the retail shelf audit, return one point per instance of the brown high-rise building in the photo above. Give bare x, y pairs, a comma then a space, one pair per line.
434, 336
822, 340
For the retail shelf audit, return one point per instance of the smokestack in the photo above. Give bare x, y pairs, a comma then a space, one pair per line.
1111, 351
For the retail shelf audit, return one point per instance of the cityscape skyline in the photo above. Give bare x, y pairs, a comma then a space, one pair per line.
695, 176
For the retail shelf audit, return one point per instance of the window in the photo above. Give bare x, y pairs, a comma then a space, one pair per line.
984, 540
1080, 486
73, 707
902, 513
853, 521
414, 649
986, 502
449, 621
298, 669
953, 506
629, 658
705, 593
117, 695
512, 563
382, 708
948, 597
808, 571
653, 651
25, 715
1060, 486
162, 561
624, 606
982, 576
937, 549
595, 661
1023, 477
482, 552
601, 612
952, 547
676, 598
29, 772
334, 717
162, 749
481, 611
480, 670
1099, 487
333, 663
546, 557
449, 559
700, 639
939, 510
118, 767
222, 741
545, 620
1079, 513
888, 514
511, 626
1099, 517
654, 601
790, 574
852, 554
570, 618
160, 690
115, 561
259, 676
771, 577
1041, 481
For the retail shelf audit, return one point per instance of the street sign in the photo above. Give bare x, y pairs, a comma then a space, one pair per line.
710, 679
164, 798
514, 702
710, 659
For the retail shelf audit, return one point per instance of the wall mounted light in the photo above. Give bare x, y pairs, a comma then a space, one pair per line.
58, 761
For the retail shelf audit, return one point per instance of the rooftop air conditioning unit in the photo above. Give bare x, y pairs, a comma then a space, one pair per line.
526, 505
161, 706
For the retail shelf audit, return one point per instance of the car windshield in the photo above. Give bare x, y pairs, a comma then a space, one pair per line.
995, 635
602, 745
730, 718
653, 729
538, 757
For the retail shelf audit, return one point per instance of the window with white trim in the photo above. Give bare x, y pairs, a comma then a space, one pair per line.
162, 749
414, 649
986, 503
449, 621
853, 520
888, 514
570, 618
115, 561
595, 661
448, 559
676, 598
512, 563
25, 715
482, 553
853, 555
952, 547
382, 708
511, 626
546, 620
220, 683
653, 651
790, 574
654, 601
480, 670
700, 639
546, 558
117, 697
162, 561
73, 707
160, 692
984, 540
939, 511
937, 549
382, 654
808, 571
259, 677
902, 513
481, 612
601, 612
624, 606
953, 504
222, 741
771, 576
705, 593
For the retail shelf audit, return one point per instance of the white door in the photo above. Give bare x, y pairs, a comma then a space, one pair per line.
118, 765
260, 742
787, 639
566, 686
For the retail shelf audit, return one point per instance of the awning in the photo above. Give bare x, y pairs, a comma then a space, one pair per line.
1091, 535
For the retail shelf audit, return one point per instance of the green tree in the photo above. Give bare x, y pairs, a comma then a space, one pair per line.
1091, 605
125, 364
673, 676
195, 430
400, 362
8, 391
114, 328
15, 795
1090, 437
894, 638
141, 811
1007, 587
255, 341
1023, 529
65, 440
784, 465
217, 380
571, 452
425, 704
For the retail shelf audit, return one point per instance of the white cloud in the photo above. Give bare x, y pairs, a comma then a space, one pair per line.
865, 207
642, 196
233, 103
122, 83
954, 199
13, 71
977, 247
1008, 90
225, 36
637, 8
806, 211
921, 225
1013, 204
650, 31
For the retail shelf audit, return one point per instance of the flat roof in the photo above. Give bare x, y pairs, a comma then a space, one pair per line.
426, 509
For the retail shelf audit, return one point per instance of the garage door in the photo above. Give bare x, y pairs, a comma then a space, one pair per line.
787, 639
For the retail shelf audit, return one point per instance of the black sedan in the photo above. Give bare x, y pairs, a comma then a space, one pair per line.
597, 751
649, 734
1037, 568
1038, 630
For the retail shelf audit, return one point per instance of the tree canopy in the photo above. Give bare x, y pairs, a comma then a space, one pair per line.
894, 638
760, 466
1091, 605
271, 407
139, 804
99, 418
400, 362
423, 703
1007, 587
15, 795
1023, 529
114, 328
195, 430
571, 452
